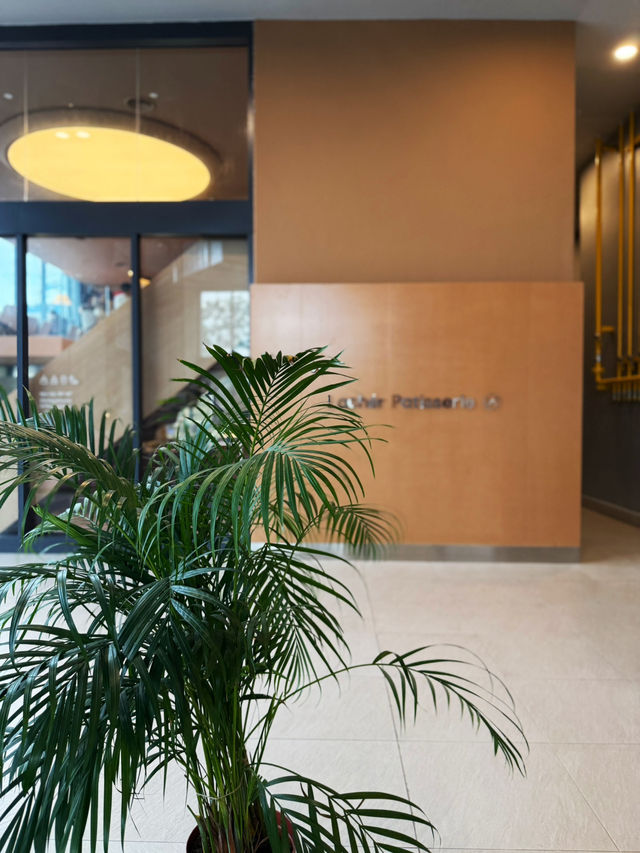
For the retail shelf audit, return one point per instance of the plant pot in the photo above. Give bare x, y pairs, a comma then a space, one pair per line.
194, 843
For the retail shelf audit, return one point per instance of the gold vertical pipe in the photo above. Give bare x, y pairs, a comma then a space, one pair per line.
617, 389
620, 330
598, 317
631, 233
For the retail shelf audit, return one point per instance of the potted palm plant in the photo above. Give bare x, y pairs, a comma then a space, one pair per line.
190, 606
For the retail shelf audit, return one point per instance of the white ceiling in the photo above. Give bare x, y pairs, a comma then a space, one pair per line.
614, 12
606, 90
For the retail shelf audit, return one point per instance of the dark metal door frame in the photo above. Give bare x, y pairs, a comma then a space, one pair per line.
20, 220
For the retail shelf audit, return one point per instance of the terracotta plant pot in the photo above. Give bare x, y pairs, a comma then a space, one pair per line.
194, 843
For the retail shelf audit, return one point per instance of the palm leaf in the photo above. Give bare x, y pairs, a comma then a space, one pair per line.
192, 607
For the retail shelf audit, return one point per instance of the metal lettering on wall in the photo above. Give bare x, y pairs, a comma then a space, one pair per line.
491, 402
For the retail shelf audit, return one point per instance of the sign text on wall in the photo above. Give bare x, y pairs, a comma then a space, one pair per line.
400, 401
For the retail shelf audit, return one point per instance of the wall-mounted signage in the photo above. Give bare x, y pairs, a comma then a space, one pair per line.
56, 390
491, 402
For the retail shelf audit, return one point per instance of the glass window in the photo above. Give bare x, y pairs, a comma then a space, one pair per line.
124, 125
79, 315
194, 292
8, 357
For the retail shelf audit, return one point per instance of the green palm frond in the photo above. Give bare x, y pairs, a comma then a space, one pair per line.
192, 606
325, 821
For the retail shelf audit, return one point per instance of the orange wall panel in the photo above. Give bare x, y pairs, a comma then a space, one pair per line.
509, 476
414, 151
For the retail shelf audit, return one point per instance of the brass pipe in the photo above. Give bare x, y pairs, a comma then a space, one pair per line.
631, 234
597, 368
620, 242
622, 380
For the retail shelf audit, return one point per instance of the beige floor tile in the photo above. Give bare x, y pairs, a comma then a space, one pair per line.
140, 847
566, 640
363, 765
620, 645
518, 604
354, 579
609, 548
356, 709
615, 603
609, 777
344, 765
546, 654
362, 642
448, 724
474, 801
584, 711
158, 816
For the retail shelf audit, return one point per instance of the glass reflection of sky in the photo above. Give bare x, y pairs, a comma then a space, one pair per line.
57, 303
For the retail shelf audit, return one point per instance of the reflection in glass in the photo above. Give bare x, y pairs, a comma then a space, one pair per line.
224, 318
79, 318
196, 292
8, 357
124, 125
80, 323
8, 316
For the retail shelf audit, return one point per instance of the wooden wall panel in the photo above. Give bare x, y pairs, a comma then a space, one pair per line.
509, 476
414, 151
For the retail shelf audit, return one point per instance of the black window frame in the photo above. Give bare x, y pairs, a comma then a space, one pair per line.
20, 220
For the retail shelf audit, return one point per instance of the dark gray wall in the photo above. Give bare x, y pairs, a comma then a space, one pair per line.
611, 471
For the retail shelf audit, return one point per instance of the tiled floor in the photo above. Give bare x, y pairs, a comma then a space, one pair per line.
566, 639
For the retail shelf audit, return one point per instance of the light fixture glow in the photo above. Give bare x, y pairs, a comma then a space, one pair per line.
108, 164
625, 52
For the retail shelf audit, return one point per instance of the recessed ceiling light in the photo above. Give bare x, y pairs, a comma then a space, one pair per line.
103, 155
8, 96
625, 52
153, 95
108, 164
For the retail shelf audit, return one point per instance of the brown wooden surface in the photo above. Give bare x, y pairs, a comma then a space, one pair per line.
414, 151
479, 477
41, 348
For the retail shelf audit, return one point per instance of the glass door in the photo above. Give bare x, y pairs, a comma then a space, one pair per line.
194, 292
108, 320
79, 317
78, 296
9, 511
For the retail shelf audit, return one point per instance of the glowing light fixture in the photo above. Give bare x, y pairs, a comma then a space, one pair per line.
108, 164
625, 52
